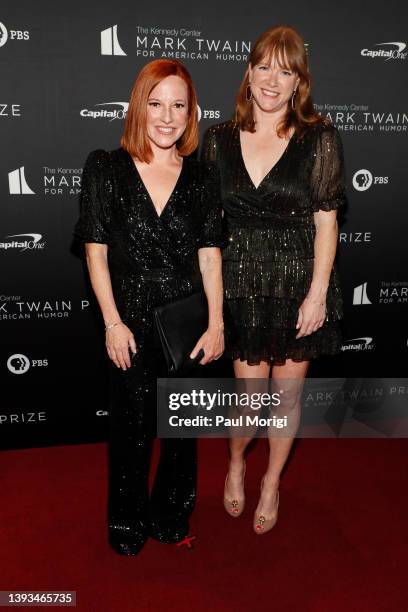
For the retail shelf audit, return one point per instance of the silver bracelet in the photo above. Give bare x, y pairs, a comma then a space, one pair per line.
112, 325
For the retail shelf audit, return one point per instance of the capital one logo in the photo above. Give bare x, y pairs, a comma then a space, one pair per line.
388, 54
111, 114
360, 295
18, 184
110, 43
18, 364
33, 245
364, 343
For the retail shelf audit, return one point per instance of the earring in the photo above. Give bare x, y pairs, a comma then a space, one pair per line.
248, 93
293, 98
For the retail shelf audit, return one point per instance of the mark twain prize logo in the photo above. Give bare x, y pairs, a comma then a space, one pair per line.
393, 50
24, 244
359, 118
388, 292
363, 179
12, 35
182, 43
56, 181
15, 307
62, 181
10, 110
355, 237
365, 343
393, 292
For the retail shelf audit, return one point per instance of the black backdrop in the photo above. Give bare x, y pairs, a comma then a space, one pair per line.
66, 75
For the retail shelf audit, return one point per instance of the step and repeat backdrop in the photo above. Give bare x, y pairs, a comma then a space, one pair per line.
66, 75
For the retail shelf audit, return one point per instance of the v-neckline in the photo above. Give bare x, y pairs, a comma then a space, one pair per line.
256, 188
176, 185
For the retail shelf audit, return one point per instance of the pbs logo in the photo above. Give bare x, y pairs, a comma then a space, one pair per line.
18, 363
207, 114
3, 34
363, 179
12, 34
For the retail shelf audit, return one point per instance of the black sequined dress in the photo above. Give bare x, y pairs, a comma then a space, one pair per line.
152, 260
268, 262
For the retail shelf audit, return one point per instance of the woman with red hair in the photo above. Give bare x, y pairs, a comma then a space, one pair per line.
150, 218
281, 167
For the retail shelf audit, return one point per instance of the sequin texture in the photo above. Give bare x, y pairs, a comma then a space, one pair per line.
152, 260
269, 256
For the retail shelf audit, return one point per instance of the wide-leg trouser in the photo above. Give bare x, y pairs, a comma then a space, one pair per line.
133, 515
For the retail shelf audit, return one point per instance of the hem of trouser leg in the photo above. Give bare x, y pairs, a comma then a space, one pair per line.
168, 535
129, 549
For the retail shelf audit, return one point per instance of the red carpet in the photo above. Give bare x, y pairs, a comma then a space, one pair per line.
340, 543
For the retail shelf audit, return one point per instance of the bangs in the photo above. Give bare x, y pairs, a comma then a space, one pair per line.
280, 49
279, 55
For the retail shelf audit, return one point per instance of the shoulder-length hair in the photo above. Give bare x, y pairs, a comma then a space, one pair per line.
135, 139
286, 45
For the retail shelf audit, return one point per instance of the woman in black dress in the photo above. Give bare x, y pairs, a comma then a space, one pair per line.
151, 220
281, 167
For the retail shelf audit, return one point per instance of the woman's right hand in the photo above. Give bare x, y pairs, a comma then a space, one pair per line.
118, 341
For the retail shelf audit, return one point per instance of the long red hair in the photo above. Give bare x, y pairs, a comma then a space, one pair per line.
135, 139
286, 45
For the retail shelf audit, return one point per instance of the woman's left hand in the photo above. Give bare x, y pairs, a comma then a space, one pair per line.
212, 343
312, 314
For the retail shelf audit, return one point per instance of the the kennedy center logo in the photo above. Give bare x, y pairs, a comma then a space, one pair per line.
110, 43
360, 295
18, 184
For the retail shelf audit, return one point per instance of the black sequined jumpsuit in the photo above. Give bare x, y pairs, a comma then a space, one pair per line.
268, 262
152, 260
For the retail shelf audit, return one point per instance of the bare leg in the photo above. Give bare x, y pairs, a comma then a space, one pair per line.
237, 446
289, 377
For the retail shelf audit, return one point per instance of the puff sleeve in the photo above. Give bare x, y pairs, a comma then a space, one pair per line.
328, 191
211, 224
95, 202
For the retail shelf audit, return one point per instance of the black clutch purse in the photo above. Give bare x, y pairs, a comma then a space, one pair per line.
180, 325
